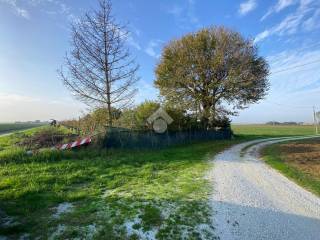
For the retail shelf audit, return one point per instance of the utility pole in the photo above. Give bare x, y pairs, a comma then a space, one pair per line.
315, 120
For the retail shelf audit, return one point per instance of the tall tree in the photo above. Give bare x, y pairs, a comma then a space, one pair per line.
213, 72
99, 69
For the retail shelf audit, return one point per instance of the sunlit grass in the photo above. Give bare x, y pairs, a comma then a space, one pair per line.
165, 189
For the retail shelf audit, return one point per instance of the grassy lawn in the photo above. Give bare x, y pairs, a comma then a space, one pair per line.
10, 127
107, 194
263, 131
298, 160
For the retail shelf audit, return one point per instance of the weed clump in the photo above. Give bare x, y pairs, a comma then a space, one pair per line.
151, 217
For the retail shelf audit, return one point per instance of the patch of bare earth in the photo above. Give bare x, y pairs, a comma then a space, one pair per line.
304, 156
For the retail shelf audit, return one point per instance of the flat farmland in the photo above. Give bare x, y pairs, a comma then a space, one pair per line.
299, 160
11, 127
263, 130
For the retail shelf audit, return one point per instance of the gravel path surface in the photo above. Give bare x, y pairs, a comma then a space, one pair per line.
253, 201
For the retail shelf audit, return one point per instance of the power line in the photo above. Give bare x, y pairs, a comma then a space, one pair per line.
294, 67
306, 47
300, 50
287, 105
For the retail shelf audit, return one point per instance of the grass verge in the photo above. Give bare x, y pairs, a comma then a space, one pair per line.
109, 194
298, 160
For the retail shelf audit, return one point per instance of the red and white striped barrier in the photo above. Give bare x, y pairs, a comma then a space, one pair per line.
75, 144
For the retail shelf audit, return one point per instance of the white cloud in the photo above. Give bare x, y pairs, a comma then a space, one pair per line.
262, 36
131, 41
294, 22
23, 13
280, 5
17, 10
312, 22
247, 7
151, 48
51, 7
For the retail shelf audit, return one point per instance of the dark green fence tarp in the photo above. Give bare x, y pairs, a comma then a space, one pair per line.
121, 138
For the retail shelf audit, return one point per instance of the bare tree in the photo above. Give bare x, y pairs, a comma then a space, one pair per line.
99, 69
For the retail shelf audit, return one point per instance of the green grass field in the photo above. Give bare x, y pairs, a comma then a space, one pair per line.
112, 194
163, 190
264, 131
11, 127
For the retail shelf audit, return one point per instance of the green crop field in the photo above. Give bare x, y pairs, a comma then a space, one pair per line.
11, 127
262, 130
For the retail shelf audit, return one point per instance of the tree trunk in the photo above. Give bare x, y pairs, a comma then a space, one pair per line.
205, 116
106, 69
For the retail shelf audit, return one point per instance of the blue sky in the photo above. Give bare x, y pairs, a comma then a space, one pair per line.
34, 36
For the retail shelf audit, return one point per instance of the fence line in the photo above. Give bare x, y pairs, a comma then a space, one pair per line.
151, 140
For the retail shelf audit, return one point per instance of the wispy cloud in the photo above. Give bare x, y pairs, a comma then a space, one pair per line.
296, 21
132, 42
247, 7
185, 15
17, 9
312, 22
298, 76
52, 7
280, 5
151, 48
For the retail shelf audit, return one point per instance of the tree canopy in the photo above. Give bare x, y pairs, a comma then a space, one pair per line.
213, 73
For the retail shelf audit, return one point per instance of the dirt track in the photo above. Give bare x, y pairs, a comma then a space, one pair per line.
253, 201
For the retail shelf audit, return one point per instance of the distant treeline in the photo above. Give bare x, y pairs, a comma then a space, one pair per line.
284, 123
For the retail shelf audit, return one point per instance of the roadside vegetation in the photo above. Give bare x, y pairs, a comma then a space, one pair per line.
98, 194
298, 160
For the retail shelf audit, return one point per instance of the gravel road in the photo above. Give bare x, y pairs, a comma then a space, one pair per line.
253, 201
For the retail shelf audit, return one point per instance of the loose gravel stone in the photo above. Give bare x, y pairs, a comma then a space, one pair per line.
254, 201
